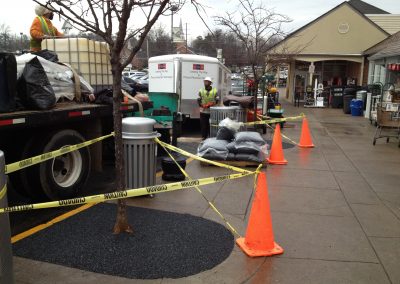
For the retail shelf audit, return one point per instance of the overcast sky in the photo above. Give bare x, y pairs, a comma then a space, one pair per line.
18, 14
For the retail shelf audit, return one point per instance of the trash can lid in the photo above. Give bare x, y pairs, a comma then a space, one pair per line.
138, 128
224, 107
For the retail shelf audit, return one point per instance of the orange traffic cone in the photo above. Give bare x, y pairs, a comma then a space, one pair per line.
259, 239
305, 137
276, 156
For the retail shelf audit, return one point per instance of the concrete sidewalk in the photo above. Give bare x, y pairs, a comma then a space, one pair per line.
335, 211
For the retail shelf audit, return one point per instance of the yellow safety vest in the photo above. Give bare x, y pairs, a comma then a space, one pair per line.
208, 96
37, 43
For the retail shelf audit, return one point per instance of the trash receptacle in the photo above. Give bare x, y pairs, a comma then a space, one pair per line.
346, 103
356, 107
171, 171
6, 258
140, 151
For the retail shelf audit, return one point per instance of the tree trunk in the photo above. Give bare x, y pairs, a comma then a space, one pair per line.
121, 224
255, 88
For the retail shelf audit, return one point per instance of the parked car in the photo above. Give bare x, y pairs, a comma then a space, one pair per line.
133, 73
129, 81
137, 75
142, 83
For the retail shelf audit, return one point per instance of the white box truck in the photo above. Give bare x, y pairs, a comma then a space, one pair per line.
180, 76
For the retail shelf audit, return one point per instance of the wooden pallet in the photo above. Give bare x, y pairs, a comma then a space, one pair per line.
239, 164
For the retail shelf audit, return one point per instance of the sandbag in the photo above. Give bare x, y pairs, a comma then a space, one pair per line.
8, 82
213, 149
213, 143
250, 157
34, 88
230, 157
247, 148
249, 136
214, 155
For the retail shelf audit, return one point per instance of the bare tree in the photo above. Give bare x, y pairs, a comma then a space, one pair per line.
219, 39
12, 42
257, 28
109, 20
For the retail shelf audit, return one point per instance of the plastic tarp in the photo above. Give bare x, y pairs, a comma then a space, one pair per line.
60, 76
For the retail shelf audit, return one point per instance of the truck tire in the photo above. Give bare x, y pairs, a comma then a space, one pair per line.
63, 177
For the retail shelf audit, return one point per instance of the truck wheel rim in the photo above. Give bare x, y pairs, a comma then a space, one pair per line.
67, 168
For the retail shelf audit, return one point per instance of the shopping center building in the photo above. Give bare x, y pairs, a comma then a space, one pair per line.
332, 48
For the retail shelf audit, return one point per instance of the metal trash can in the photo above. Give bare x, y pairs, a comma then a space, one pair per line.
6, 264
362, 95
140, 151
219, 113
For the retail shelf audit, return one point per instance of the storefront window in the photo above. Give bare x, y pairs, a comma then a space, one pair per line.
379, 74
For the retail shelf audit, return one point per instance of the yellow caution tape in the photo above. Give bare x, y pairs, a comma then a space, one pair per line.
269, 121
125, 193
183, 152
50, 155
213, 207
276, 120
3, 191
284, 136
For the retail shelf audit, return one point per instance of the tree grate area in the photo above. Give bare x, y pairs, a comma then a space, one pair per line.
164, 244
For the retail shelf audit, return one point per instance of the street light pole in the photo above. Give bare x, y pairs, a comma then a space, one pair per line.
173, 9
22, 46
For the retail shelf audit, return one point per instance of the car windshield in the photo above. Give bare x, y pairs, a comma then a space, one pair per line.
237, 83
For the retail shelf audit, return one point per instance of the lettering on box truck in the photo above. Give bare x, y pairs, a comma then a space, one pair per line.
161, 77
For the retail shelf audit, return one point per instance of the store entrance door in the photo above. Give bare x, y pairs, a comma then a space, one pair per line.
300, 83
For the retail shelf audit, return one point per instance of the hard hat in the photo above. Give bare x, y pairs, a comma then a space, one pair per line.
207, 79
41, 10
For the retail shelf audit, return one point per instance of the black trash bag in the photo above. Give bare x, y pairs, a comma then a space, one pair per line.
8, 82
49, 55
34, 88
104, 96
225, 133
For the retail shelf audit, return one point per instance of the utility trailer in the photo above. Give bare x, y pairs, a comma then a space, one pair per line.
174, 84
